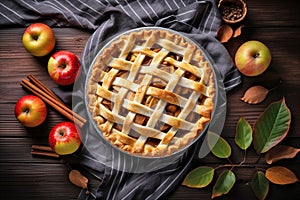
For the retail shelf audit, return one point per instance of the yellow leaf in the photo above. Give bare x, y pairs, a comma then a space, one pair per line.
238, 31
255, 94
224, 33
279, 152
281, 175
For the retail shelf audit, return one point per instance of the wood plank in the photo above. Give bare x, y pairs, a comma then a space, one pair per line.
16, 149
36, 181
274, 13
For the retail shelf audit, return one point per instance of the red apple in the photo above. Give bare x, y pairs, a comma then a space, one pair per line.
64, 138
64, 67
30, 110
252, 58
38, 39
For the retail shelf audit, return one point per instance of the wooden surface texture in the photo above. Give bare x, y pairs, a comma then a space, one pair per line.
22, 176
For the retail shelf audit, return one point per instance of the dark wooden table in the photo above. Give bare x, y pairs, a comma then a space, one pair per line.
22, 176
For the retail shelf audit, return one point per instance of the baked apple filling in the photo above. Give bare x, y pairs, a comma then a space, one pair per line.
151, 92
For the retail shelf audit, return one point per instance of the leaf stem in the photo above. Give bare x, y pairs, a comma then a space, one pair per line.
259, 157
258, 167
276, 86
244, 158
230, 161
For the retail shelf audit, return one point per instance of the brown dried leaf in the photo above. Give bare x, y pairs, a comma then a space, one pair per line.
78, 179
224, 33
238, 31
255, 94
281, 152
281, 175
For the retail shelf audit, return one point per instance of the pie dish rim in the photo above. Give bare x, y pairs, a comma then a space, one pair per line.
207, 57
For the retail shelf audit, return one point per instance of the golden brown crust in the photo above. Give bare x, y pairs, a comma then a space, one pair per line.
164, 92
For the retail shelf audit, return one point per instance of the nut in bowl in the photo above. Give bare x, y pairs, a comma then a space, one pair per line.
232, 11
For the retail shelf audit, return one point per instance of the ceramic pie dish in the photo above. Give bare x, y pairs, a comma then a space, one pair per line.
151, 92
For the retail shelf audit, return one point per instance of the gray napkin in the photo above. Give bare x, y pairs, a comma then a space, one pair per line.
116, 175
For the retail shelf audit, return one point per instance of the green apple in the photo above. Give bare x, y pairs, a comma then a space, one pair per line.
30, 110
38, 39
252, 58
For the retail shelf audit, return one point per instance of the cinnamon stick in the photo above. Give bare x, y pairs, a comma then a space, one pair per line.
57, 105
39, 84
46, 154
43, 151
41, 148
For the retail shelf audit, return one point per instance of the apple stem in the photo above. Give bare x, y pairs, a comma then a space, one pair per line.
63, 66
256, 55
26, 110
61, 133
35, 37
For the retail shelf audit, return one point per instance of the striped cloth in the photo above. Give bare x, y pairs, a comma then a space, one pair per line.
114, 175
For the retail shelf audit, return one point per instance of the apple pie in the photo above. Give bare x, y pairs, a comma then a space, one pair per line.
151, 92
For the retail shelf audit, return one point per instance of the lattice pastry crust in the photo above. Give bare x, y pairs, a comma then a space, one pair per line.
151, 92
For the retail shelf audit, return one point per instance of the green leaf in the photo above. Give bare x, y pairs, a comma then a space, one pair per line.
218, 145
272, 126
243, 135
224, 183
199, 177
260, 185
